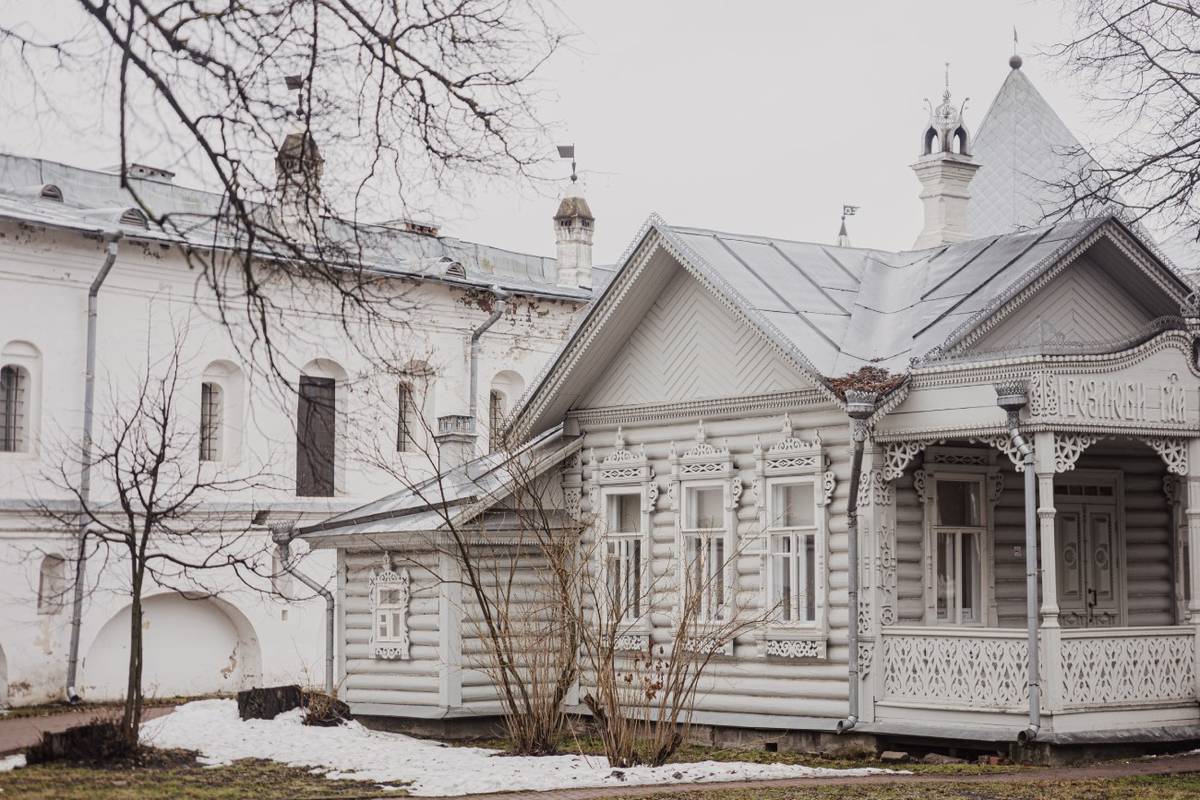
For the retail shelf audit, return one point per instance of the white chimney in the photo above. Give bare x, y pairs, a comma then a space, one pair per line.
945, 170
573, 227
298, 170
455, 441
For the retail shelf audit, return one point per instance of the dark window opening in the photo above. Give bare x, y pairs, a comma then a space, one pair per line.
315, 431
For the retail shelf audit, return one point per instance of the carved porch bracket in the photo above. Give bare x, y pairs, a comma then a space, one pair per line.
898, 455
1004, 444
1068, 447
1173, 452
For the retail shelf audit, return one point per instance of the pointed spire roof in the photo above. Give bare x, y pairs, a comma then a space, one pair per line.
843, 236
1024, 148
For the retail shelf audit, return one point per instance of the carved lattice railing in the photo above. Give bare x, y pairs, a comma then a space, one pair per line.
1106, 668
955, 668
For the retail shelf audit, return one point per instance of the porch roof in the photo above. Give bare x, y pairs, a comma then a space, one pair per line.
453, 497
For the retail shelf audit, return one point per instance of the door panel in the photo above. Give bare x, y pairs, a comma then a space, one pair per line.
1088, 566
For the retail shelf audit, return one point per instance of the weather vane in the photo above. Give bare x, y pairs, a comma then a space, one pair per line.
849, 211
568, 151
295, 83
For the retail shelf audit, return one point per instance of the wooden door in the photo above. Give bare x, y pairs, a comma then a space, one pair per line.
1088, 566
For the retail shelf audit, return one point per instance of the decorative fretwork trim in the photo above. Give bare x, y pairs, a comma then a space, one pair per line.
1068, 447
1173, 452
632, 643
995, 486
921, 485
898, 455
829, 485
1004, 444
397, 645
794, 648
691, 409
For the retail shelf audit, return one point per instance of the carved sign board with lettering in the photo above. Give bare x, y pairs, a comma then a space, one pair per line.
1160, 391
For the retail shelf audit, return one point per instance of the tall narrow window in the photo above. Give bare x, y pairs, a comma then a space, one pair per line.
496, 420
623, 554
14, 413
704, 538
405, 419
211, 407
315, 437
793, 540
52, 585
958, 534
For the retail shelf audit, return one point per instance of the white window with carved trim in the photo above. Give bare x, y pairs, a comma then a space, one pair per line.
792, 489
958, 542
622, 495
705, 491
390, 595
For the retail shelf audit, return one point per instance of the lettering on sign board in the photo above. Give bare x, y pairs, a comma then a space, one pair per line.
1109, 399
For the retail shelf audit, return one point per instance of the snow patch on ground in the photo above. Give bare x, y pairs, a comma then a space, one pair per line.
426, 768
9, 763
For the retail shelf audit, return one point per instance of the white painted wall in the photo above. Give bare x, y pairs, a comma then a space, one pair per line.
151, 294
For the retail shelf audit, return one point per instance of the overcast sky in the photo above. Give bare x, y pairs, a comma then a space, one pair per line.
751, 116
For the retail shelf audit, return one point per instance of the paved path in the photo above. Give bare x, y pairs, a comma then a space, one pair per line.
1115, 769
21, 732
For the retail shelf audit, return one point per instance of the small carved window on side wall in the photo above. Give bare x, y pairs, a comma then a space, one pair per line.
390, 595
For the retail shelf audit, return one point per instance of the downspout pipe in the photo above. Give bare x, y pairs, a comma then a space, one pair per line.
283, 535
859, 406
111, 246
1012, 397
497, 311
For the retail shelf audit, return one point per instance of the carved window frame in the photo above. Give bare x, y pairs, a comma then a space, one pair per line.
706, 466
794, 460
394, 644
960, 464
625, 472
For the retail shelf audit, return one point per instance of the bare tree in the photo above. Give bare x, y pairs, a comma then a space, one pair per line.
402, 99
641, 693
160, 516
1139, 64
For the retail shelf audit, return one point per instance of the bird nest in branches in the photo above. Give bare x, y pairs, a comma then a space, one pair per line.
866, 379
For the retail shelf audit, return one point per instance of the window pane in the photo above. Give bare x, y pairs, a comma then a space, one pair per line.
945, 577
969, 575
810, 571
958, 503
624, 513
706, 507
716, 573
792, 505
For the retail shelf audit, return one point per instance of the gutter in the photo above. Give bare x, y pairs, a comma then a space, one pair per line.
497, 312
283, 535
1012, 397
112, 241
859, 406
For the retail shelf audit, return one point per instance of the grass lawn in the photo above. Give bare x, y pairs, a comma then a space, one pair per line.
259, 780
1148, 787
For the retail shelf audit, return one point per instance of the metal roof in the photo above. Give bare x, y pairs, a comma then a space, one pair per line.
844, 307
427, 506
1024, 149
92, 202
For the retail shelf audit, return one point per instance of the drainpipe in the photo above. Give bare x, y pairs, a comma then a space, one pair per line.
282, 535
1012, 397
860, 406
497, 312
112, 241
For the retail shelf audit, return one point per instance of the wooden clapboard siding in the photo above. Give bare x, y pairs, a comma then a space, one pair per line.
748, 682
395, 682
687, 347
1084, 304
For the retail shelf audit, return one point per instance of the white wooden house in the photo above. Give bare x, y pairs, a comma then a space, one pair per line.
700, 398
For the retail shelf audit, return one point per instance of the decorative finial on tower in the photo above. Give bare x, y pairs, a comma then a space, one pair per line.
945, 168
1015, 62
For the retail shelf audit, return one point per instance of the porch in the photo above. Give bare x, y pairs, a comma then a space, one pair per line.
946, 647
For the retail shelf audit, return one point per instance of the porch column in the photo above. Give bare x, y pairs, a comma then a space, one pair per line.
874, 512
1051, 633
1193, 530
1193, 534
